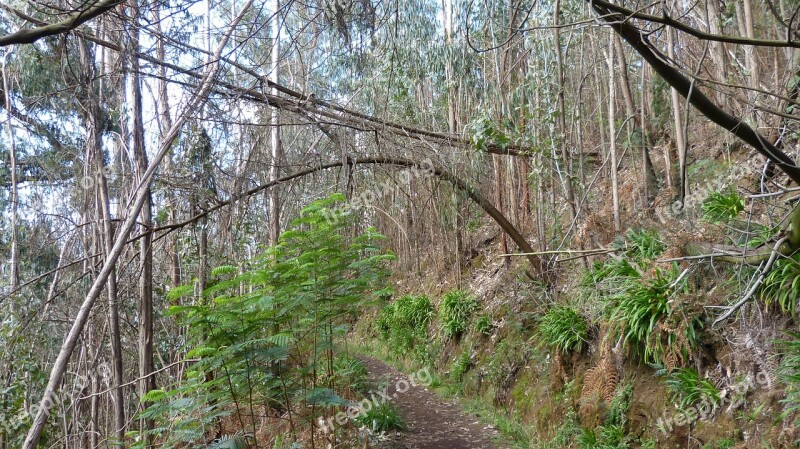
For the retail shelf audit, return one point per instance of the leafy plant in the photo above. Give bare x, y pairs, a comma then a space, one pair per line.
483, 325
460, 366
782, 284
273, 345
687, 389
789, 372
405, 322
454, 311
643, 315
721, 207
643, 244
382, 418
563, 329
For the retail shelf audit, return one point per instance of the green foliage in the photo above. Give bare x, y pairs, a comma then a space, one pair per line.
483, 325
455, 311
604, 437
563, 329
782, 284
612, 435
272, 346
724, 443
460, 366
405, 322
484, 133
642, 305
789, 372
347, 372
382, 418
688, 389
722, 207
643, 244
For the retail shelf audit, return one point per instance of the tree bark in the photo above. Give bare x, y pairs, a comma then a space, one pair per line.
275, 128
71, 340
146, 381
612, 134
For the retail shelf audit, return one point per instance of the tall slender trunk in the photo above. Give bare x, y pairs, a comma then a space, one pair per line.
612, 133
680, 139
94, 150
562, 123
165, 123
275, 129
635, 125
146, 381
12, 153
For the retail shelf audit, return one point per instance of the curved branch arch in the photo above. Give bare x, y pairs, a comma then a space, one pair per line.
539, 266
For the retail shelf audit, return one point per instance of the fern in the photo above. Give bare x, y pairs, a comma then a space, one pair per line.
721, 207
563, 329
688, 389
455, 311
782, 284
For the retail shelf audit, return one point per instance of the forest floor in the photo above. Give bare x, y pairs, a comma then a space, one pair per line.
433, 422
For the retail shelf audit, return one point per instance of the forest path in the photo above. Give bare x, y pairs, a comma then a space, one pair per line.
433, 423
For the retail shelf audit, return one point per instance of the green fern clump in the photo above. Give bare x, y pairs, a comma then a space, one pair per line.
483, 325
643, 244
789, 372
348, 372
722, 207
382, 418
642, 314
455, 311
404, 323
782, 284
688, 389
414, 311
460, 366
563, 329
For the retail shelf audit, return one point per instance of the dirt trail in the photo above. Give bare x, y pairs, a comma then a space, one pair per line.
434, 423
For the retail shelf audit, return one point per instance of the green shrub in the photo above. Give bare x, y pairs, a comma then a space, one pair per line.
405, 322
782, 284
639, 312
643, 244
483, 325
789, 372
262, 342
454, 311
721, 207
348, 372
563, 329
460, 366
688, 389
382, 418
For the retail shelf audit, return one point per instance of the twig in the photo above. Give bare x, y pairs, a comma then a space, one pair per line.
768, 266
563, 251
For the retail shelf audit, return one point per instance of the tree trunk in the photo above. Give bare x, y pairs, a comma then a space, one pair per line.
146, 381
612, 134
275, 130
12, 153
680, 139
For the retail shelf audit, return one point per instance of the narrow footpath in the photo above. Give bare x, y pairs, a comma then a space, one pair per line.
433, 422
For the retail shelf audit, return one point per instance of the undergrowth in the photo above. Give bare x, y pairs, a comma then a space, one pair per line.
563, 329
455, 311
688, 389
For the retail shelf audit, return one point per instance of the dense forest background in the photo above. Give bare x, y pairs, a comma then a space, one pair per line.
581, 215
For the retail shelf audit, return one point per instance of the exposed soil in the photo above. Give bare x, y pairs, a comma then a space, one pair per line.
433, 423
